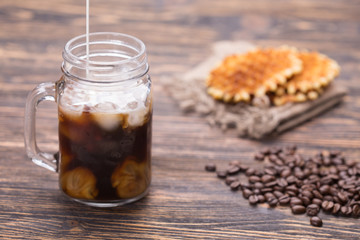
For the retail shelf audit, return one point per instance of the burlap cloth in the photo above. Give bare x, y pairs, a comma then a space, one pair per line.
254, 121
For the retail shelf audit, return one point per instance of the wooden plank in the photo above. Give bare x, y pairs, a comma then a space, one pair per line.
184, 202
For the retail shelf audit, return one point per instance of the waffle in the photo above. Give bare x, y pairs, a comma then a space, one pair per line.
318, 72
241, 77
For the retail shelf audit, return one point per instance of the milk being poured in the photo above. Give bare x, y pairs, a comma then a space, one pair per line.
123, 98
87, 34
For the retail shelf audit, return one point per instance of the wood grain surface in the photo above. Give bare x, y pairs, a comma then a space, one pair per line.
184, 202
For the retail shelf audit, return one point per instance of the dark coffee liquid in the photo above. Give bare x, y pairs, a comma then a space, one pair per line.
98, 163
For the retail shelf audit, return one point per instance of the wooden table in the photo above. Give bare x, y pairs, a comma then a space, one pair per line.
185, 202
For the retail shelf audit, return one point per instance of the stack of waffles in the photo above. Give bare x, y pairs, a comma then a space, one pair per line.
284, 74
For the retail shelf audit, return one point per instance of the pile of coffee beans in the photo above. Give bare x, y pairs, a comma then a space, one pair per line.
326, 182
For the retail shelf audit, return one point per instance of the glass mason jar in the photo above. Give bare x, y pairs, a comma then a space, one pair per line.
104, 104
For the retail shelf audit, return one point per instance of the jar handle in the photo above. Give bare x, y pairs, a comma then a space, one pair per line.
43, 92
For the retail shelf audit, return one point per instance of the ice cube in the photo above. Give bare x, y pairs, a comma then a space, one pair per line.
69, 111
137, 118
107, 121
108, 107
132, 105
140, 93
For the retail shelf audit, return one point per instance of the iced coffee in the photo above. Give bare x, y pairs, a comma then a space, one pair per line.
104, 100
105, 143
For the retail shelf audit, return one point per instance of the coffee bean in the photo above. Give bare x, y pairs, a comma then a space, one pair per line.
221, 174
328, 198
258, 185
257, 191
271, 184
259, 156
341, 182
253, 179
348, 187
235, 163
278, 188
270, 171
307, 193
336, 200
334, 153
317, 201
336, 208
333, 177
266, 190
281, 182
261, 198
307, 172
356, 210
352, 171
350, 181
324, 189
299, 161
210, 167
284, 200
273, 158
267, 178
233, 170
244, 168
316, 221
272, 202
312, 210
290, 150
342, 168
230, 179
346, 210
235, 185
285, 173
246, 185
333, 191
333, 170
298, 209
295, 201
313, 178
351, 163
343, 197
315, 170
308, 187
282, 156
291, 165
278, 194
291, 194
353, 202
299, 183
306, 201
253, 199
275, 150
337, 161
292, 188
299, 175
250, 171
279, 162
327, 161
247, 193
265, 151
269, 196
326, 181
327, 206
317, 194
259, 172
291, 179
